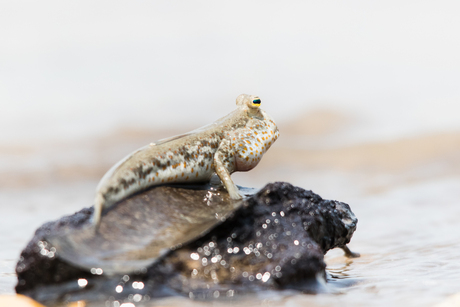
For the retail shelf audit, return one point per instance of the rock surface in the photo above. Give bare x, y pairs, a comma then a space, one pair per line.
275, 239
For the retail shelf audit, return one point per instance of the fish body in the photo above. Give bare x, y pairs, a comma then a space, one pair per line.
233, 143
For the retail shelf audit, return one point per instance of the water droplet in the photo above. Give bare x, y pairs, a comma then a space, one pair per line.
195, 256
82, 282
96, 271
137, 297
138, 285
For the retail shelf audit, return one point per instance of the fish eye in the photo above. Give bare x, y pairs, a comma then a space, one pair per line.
256, 102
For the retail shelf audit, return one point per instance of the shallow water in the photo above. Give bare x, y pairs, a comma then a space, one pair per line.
408, 232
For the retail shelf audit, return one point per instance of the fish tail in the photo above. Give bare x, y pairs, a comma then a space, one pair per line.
98, 205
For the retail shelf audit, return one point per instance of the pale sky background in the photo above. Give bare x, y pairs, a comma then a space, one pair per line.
71, 69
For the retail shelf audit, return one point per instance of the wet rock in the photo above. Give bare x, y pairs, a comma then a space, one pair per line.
275, 239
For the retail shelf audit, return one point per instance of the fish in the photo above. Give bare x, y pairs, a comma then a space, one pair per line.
233, 143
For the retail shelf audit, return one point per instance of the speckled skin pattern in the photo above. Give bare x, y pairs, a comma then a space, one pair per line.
233, 143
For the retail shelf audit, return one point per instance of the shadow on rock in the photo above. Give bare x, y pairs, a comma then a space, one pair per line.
190, 242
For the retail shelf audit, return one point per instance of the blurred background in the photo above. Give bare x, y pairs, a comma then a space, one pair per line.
366, 96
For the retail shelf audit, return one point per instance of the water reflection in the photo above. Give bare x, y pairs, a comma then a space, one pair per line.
82, 282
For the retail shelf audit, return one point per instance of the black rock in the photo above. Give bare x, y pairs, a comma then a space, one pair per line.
276, 239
